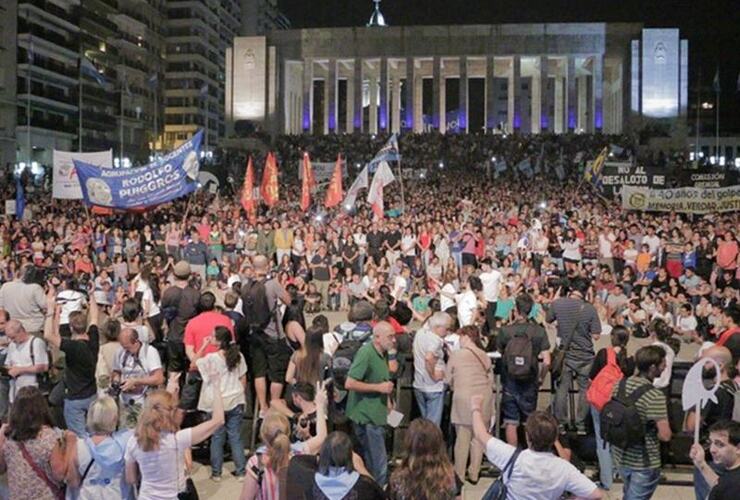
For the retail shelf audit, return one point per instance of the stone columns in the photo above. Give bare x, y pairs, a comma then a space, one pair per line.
307, 124
597, 111
437, 110
583, 103
357, 91
545, 121
396, 105
462, 115
410, 89
349, 116
571, 102
560, 119
491, 94
384, 115
330, 99
418, 104
515, 99
535, 93
373, 108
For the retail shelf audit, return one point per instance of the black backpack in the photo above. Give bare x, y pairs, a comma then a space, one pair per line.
343, 357
257, 312
621, 424
519, 354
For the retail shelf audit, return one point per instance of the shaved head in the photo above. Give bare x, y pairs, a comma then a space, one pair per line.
260, 264
720, 354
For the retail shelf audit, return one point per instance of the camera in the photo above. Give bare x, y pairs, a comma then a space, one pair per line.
114, 390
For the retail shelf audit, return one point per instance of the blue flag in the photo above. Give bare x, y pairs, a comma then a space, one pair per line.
163, 180
20, 198
389, 152
88, 68
525, 167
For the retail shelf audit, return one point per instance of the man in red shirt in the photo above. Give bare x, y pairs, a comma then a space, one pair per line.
198, 333
730, 336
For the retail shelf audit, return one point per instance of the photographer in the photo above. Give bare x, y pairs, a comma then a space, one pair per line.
178, 306
24, 299
27, 358
136, 369
81, 355
70, 299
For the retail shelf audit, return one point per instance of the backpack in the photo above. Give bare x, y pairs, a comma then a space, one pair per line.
257, 311
343, 357
519, 354
621, 424
600, 391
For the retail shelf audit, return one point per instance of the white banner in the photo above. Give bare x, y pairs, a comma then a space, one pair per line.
322, 171
66, 185
684, 200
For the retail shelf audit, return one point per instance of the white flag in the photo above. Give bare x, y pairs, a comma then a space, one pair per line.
383, 176
360, 183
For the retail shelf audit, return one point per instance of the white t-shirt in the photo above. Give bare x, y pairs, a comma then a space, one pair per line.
162, 470
399, 287
131, 366
426, 341
147, 298
686, 324
444, 301
20, 355
605, 245
408, 245
653, 243
232, 391
491, 284
71, 301
538, 475
467, 302
665, 377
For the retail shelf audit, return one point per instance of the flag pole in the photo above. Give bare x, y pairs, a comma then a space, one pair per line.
28, 100
716, 147
79, 105
120, 126
400, 181
698, 122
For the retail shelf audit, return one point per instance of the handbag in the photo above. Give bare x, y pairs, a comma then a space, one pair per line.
557, 359
57, 491
498, 490
190, 492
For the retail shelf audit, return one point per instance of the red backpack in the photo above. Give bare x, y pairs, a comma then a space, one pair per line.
600, 391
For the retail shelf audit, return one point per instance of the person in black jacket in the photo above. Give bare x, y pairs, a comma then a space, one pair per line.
619, 337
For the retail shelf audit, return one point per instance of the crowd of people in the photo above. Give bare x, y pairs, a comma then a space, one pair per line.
143, 335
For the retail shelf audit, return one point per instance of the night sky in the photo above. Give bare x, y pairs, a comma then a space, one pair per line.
711, 26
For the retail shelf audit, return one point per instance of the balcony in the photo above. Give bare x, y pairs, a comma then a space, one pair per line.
69, 19
52, 37
47, 123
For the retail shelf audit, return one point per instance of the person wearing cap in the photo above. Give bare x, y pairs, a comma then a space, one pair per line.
178, 306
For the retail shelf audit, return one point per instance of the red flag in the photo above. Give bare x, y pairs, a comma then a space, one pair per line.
335, 193
307, 184
269, 189
247, 196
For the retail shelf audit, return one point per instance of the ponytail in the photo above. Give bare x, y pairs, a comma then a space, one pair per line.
274, 433
228, 346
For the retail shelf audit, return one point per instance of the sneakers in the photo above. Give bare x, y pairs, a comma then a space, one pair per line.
216, 479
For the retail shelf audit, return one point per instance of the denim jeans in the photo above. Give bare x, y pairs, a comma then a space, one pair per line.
232, 429
639, 484
372, 440
75, 414
579, 371
603, 452
431, 405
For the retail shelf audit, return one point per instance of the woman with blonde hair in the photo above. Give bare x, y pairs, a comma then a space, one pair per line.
267, 468
425, 472
96, 464
157, 450
468, 373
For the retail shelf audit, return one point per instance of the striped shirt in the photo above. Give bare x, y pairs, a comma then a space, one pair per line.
571, 312
652, 408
